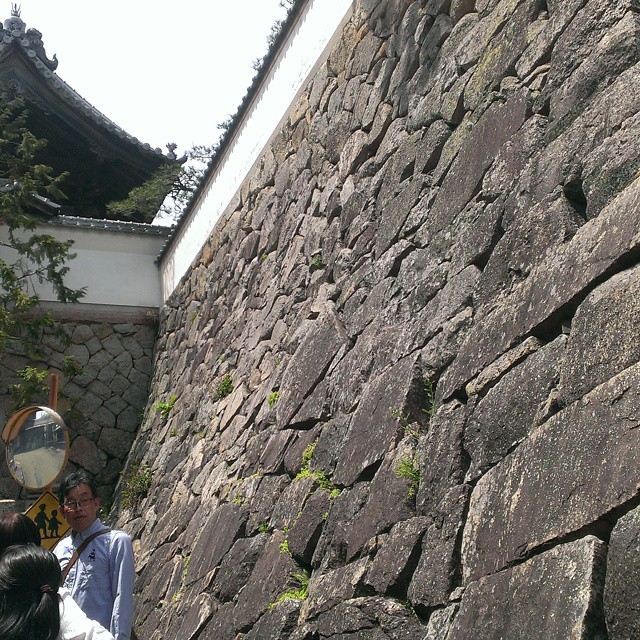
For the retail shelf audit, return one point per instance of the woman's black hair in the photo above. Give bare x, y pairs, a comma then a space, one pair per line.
16, 528
29, 581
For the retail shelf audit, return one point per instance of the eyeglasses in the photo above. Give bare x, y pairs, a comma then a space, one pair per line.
74, 505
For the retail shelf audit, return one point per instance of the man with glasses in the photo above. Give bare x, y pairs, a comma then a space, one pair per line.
101, 576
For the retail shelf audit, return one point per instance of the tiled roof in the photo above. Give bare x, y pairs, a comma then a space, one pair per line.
109, 225
15, 34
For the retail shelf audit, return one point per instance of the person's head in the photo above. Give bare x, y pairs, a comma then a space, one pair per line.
78, 498
16, 528
29, 582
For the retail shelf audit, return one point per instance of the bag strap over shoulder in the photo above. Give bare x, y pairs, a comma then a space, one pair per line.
78, 552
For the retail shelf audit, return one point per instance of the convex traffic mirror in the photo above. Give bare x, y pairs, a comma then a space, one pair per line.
37, 447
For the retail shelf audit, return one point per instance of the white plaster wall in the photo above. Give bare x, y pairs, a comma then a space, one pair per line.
306, 48
117, 268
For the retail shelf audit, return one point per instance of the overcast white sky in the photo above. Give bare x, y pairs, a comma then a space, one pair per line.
163, 70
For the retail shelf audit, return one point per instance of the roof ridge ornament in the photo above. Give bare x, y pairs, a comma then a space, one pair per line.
29, 39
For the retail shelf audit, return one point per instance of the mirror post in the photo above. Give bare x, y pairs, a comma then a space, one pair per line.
53, 391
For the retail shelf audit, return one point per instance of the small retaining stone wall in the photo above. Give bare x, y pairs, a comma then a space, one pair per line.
102, 405
406, 363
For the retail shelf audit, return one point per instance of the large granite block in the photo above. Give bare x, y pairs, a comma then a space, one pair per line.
373, 425
554, 283
570, 472
512, 408
622, 590
309, 364
372, 618
496, 126
605, 335
554, 596
438, 570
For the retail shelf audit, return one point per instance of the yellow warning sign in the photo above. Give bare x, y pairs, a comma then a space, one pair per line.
47, 515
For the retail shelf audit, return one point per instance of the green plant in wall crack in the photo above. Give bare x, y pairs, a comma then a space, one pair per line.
264, 527
317, 475
224, 388
300, 593
183, 578
273, 398
70, 367
430, 396
315, 264
239, 499
135, 485
164, 407
284, 547
409, 470
404, 423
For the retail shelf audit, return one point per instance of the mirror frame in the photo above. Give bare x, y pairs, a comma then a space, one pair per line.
13, 426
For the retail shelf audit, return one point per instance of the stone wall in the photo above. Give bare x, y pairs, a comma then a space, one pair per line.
102, 404
406, 362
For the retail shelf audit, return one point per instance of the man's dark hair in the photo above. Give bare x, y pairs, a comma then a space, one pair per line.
73, 481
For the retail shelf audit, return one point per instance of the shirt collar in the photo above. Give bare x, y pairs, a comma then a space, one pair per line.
81, 536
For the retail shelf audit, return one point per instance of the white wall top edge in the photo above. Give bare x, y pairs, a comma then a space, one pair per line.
117, 269
308, 45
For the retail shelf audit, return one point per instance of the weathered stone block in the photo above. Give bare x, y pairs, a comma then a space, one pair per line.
272, 458
236, 567
331, 549
115, 442
85, 453
113, 345
438, 570
440, 623
271, 577
395, 562
528, 240
442, 457
103, 417
605, 336
81, 334
305, 532
370, 617
496, 126
373, 427
128, 419
622, 590
290, 502
308, 365
215, 538
277, 622
611, 166
512, 408
87, 404
583, 57
331, 588
388, 502
556, 281
554, 596
262, 504
503, 49
578, 466
194, 617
